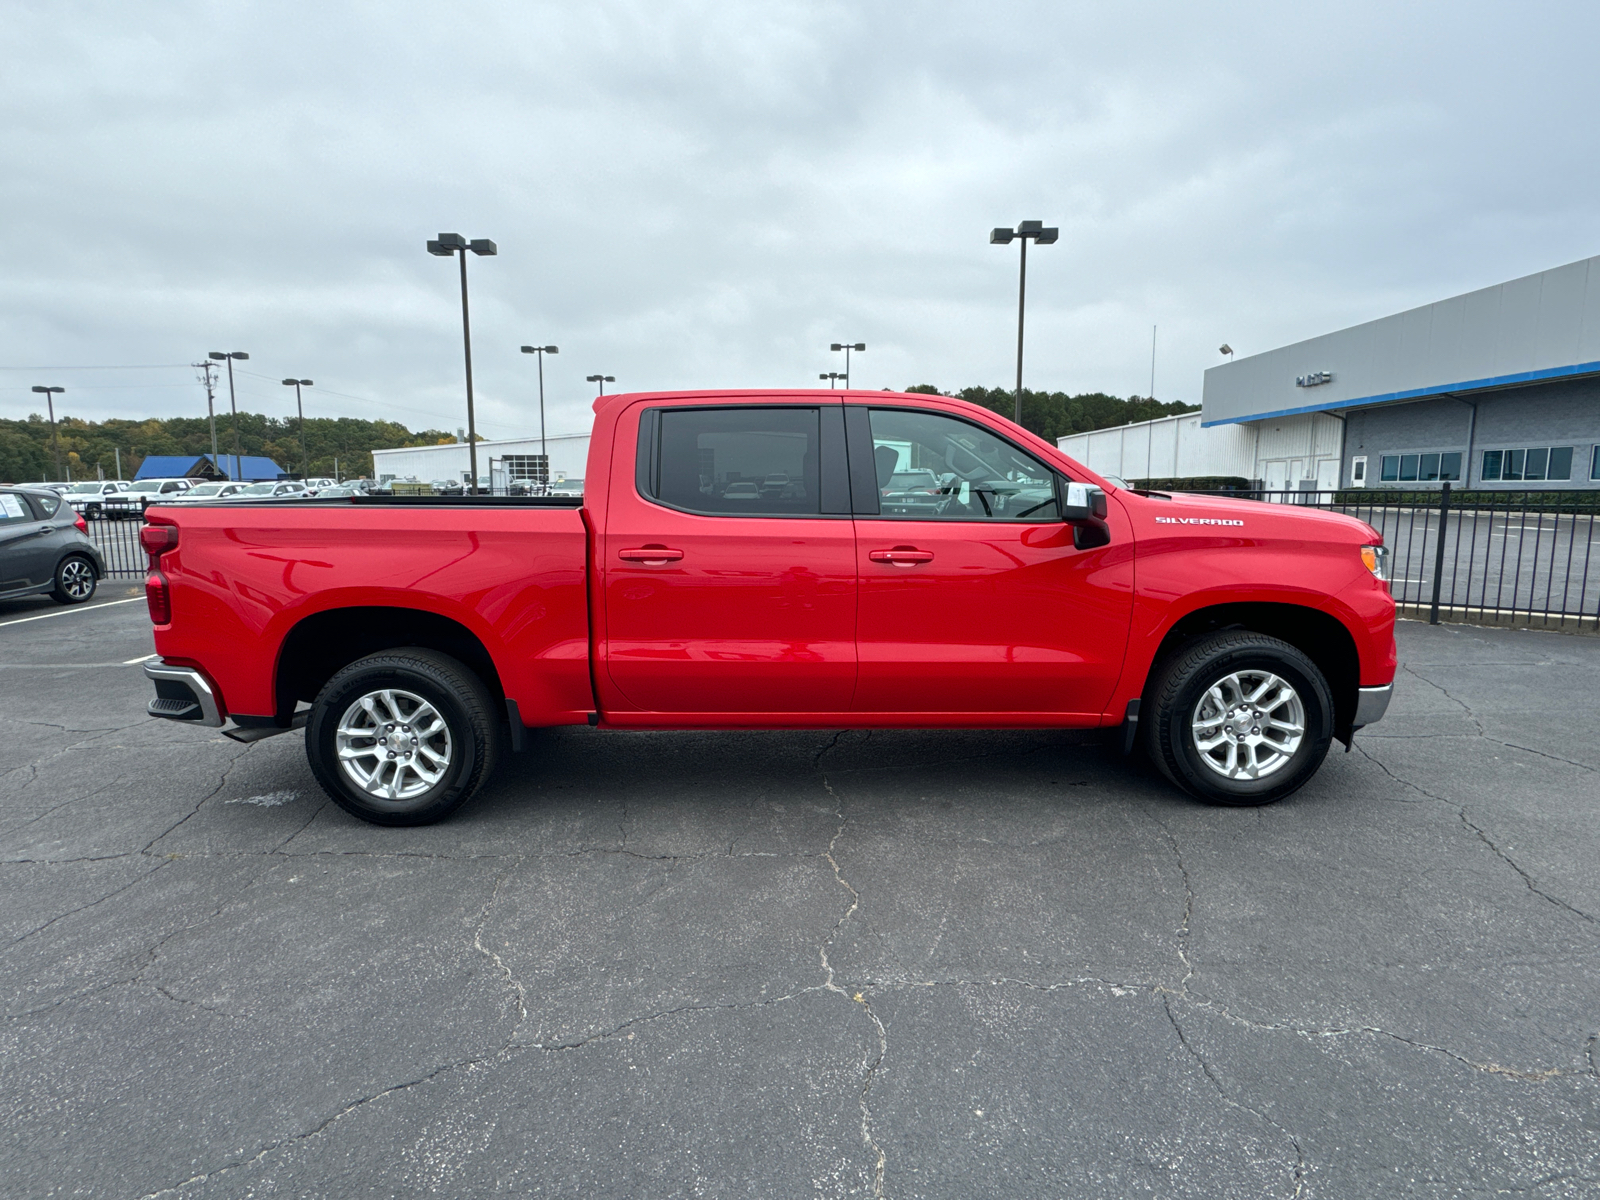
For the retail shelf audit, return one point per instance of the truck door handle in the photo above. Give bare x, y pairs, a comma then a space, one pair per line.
650, 556
901, 556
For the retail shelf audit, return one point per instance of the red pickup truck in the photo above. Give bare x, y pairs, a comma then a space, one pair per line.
774, 560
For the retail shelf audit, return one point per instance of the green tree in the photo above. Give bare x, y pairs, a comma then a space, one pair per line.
1054, 414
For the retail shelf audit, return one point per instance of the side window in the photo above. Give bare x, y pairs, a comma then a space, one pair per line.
47, 505
14, 509
754, 462
932, 467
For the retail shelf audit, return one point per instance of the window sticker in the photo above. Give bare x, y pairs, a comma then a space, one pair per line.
11, 506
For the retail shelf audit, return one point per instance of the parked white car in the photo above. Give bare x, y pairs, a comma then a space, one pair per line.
89, 498
207, 491
281, 490
142, 493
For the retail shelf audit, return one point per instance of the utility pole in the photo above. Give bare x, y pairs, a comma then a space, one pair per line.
206, 377
1152, 363
50, 394
1025, 232
117, 450
233, 402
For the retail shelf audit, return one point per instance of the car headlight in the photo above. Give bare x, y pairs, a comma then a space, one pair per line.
1376, 559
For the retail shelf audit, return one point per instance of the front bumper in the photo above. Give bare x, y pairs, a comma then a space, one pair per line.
1371, 704
183, 694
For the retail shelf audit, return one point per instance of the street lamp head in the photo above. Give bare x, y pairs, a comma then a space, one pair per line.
861, 346
552, 350
438, 248
301, 382
540, 350
1225, 349
1000, 237
217, 354
1026, 227
49, 390
224, 355
1046, 237
483, 246
452, 241
600, 378
836, 346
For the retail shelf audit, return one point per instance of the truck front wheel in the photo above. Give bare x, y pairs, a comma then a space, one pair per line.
1239, 718
404, 737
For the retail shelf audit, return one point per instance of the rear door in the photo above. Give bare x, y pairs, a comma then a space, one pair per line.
981, 603
27, 555
728, 560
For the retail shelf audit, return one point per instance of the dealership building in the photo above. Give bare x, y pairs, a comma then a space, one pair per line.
1495, 389
557, 460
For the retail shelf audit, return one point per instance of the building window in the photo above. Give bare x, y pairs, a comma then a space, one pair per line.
1528, 465
1594, 463
1434, 466
1358, 471
527, 468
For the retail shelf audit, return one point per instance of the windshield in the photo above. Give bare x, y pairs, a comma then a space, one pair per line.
257, 489
207, 489
84, 489
146, 485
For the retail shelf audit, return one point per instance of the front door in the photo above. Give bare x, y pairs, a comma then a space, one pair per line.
974, 599
728, 561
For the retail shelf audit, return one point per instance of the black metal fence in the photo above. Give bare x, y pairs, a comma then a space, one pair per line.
1498, 558
118, 540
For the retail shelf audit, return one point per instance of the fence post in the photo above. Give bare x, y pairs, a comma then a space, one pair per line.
1438, 552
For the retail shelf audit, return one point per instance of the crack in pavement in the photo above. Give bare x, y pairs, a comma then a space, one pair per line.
870, 1065
1461, 814
1301, 1169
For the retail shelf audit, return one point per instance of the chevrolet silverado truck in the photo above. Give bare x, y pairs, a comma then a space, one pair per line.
757, 560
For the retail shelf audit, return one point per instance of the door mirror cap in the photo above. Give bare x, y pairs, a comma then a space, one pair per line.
1083, 502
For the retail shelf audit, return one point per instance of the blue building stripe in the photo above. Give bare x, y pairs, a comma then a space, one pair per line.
1589, 368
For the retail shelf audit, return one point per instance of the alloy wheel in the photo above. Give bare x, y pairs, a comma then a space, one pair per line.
1248, 725
393, 744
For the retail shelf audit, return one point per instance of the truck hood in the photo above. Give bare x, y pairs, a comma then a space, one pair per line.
1199, 506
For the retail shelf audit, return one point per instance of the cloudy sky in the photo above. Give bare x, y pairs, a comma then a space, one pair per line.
707, 194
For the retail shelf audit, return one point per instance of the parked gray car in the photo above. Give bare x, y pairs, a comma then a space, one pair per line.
43, 548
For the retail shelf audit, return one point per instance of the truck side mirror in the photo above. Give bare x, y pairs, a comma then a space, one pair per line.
1084, 502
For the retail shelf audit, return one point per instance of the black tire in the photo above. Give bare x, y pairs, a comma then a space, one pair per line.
1184, 682
456, 695
76, 580
91, 512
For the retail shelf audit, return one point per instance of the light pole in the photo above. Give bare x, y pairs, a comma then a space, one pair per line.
305, 460
602, 380
1024, 232
233, 403
50, 394
847, 347
446, 245
830, 376
544, 452
1226, 349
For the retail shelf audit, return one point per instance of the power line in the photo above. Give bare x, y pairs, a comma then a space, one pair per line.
129, 367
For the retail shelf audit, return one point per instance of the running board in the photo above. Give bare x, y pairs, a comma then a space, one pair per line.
255, 733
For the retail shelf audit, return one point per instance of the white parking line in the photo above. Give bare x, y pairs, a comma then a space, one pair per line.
130, 662
68, 611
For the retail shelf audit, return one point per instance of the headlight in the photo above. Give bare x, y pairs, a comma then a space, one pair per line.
1376, 559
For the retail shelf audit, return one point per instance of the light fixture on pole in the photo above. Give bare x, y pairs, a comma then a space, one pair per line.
1225, 349
544, 453
228, 356
50, 394
847, 347
305, 460
830, 376
1025, 232
444, 246
602, 380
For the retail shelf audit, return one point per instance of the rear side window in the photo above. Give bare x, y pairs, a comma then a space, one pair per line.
47, 505
14, 509
757, 461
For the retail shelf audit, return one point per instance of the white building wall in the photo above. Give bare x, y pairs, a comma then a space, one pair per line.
569, 454
1177, 447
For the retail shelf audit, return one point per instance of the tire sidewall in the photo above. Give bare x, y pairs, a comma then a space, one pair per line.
1314, 697
322, 733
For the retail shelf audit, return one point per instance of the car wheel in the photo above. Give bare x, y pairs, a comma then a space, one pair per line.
1239, 719
404, 737
75, 580
92, 511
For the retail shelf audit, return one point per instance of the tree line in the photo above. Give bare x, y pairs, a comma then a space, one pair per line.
1054, 414
26, 455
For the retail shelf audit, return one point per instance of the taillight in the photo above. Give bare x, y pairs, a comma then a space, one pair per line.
158, 596
83, 526
158, 539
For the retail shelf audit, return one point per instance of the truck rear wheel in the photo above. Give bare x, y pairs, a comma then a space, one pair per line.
1239, 719
404, 737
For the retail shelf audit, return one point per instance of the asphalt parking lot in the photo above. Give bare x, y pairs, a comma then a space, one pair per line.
907, 964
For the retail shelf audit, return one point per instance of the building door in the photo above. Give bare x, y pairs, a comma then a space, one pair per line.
974, 598
728, 563
1328, 475
1277, 475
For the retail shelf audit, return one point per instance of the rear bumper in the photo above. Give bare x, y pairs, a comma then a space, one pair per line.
182, 694
1371, 704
